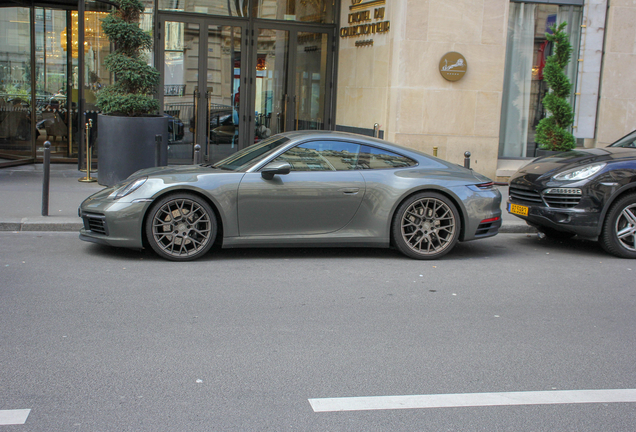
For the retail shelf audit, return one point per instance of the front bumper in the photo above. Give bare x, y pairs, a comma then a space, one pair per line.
112, 222
580, 215
577, 221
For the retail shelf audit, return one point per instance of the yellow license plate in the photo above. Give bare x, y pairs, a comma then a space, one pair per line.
518, 209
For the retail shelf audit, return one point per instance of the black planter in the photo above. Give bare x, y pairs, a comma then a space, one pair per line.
127, 144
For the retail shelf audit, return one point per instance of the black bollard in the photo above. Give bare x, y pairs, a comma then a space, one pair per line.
197, 154
46, 167
158, 141
467, 160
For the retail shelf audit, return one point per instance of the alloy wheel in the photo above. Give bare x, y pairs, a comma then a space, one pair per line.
428, 226
182, 228
625, 228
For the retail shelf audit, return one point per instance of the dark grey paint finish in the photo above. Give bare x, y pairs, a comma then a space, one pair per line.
303, 207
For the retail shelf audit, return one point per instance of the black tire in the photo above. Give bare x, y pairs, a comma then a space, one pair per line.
426, 226
554, 234
181, 227
618, 236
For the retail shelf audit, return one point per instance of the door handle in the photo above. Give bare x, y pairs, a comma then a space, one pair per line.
349, 191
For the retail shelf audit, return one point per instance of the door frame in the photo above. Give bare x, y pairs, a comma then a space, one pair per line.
249, 53
203, 22
293, 28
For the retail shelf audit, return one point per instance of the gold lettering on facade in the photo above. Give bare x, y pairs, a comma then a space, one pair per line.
360, 20
365, 29
357, 17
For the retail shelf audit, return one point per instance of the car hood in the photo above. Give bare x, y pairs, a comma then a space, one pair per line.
176, 169
551, 165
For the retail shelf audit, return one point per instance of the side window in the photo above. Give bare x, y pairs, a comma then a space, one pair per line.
322, 156
375, 158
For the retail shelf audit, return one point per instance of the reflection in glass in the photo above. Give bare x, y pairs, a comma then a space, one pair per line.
15, 85
272, 100
316, 11
181, 74
223, 90
311, 72
524, 85
211, 7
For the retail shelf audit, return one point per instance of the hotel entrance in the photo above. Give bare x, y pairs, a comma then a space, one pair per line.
231, 82
39, 78
232, 73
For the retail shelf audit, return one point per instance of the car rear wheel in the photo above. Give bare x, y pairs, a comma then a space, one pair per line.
181, 227
426, 226
619, 228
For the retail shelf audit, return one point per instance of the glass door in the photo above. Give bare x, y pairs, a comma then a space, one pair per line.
310, 73
271, 101
16, 127
292, 73
201, 67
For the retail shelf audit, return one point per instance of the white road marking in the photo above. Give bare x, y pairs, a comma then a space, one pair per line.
13, 417
472, 400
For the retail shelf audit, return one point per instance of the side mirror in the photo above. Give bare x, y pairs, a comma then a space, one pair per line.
274, 168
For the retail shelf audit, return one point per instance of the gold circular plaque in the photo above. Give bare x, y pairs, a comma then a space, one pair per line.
453, 66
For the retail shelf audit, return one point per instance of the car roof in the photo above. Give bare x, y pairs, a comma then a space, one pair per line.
348, 136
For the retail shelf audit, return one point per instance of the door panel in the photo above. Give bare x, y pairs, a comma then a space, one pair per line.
202, 75
301, 202
181, 83
292, 78
311, 80
271, 102
223, 77
215, 101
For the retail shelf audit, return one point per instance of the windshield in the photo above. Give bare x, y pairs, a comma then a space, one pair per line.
628, 141
251, 154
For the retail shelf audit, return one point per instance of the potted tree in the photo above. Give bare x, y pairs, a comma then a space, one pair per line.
552, 131
129, 122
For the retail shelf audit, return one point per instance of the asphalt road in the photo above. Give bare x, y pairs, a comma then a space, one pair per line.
101, 339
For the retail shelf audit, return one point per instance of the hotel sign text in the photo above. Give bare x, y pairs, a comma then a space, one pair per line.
364, 22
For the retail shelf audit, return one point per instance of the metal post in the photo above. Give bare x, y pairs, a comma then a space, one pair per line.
88, 178
376, 130
197, 154
46, 167
158, 141
467, 160
81, 101
435, 151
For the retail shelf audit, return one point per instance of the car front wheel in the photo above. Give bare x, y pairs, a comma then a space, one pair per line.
181, 227
426, 226
619, 228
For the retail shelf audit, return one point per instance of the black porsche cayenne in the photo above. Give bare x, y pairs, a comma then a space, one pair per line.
586, 192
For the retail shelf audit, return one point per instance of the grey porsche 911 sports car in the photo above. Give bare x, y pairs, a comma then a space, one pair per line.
298, 189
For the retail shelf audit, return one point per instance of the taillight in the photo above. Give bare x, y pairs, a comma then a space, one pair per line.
495, 219
488, 185
481, 186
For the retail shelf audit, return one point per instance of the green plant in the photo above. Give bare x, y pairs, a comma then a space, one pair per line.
135, 81
552, 131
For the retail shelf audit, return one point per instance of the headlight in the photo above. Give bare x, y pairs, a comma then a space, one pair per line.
580, 173
128, 188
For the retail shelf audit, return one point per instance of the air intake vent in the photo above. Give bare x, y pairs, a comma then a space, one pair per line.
95, 223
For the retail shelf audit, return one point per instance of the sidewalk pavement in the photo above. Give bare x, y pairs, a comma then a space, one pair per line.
21, 200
